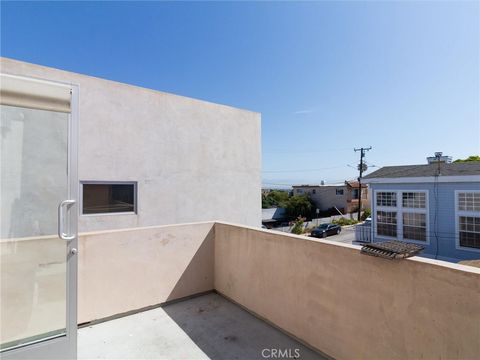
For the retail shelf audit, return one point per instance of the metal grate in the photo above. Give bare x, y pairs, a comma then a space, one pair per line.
392, 249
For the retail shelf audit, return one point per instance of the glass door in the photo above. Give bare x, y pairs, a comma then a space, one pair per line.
38, 226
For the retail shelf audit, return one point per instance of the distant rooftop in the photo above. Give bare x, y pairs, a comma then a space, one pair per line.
318, 185
352, 183
428, 170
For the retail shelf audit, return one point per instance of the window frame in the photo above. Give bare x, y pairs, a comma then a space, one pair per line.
466, 213
355, 194
106, 182
389, 210
400, 210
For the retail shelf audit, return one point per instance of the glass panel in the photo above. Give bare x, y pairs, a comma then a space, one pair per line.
469, 231
387, 199
414, 226
33, 182
469, 201
387, 223
108, 198
415, 200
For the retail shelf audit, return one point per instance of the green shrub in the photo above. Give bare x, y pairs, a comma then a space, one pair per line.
366, 213
344, 221
298, 226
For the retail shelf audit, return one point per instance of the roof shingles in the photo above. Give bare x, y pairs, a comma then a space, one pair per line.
428, 170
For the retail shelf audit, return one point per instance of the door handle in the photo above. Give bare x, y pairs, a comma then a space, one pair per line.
61, 234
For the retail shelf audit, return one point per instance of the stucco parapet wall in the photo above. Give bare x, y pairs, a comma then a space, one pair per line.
130, 269
334, 298
325, 293
67, 76
453, 266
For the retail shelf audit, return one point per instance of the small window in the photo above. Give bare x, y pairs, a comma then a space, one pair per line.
387, 223
299, 191
355, 194
469, 227
104, 198
469, 201
339, 191
314, 191
387, 199
415, 200
414, 226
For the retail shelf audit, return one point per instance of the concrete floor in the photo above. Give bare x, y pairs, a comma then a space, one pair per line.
205, 327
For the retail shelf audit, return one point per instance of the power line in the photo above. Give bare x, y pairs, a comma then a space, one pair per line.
287, 151
302, 170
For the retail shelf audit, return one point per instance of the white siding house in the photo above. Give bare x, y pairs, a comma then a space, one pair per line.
437, 206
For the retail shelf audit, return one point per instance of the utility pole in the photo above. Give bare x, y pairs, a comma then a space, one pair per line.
361, 168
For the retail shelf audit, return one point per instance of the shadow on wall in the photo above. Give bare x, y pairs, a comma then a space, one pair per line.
189, 282
223, 330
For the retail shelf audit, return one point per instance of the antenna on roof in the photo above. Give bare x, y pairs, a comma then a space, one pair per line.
438, 156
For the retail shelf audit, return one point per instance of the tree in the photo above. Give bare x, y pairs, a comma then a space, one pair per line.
299, 205
470, 158
275, 198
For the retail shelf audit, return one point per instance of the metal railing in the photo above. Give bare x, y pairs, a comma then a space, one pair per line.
363, 233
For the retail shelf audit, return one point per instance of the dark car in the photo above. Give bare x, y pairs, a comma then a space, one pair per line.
325, 230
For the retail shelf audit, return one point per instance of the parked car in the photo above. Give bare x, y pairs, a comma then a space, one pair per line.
325, 230
368, 221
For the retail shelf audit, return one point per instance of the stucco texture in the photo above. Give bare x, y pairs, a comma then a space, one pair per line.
193, 160
349, 305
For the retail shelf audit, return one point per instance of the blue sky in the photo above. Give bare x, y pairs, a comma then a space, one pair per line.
327, 76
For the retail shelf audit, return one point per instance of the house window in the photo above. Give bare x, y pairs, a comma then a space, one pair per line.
355, 194
387, 223
299, 191
469, 231
314, 191
469, 201
104, 198
415, 200
339, 191
414, 226
468, 219
387, 199
410, 208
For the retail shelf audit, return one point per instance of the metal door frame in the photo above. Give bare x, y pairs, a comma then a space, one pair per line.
62, 346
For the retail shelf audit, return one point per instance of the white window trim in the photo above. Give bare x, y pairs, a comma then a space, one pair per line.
399, 209
93, 182
459, 213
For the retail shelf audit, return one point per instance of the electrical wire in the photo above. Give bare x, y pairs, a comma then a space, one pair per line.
302, 170
435, 218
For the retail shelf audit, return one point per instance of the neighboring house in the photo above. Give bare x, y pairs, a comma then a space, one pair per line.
436, 205
273, 216
343, 196
145, 157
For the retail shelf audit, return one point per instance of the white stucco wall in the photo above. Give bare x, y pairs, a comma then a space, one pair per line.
193, 160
